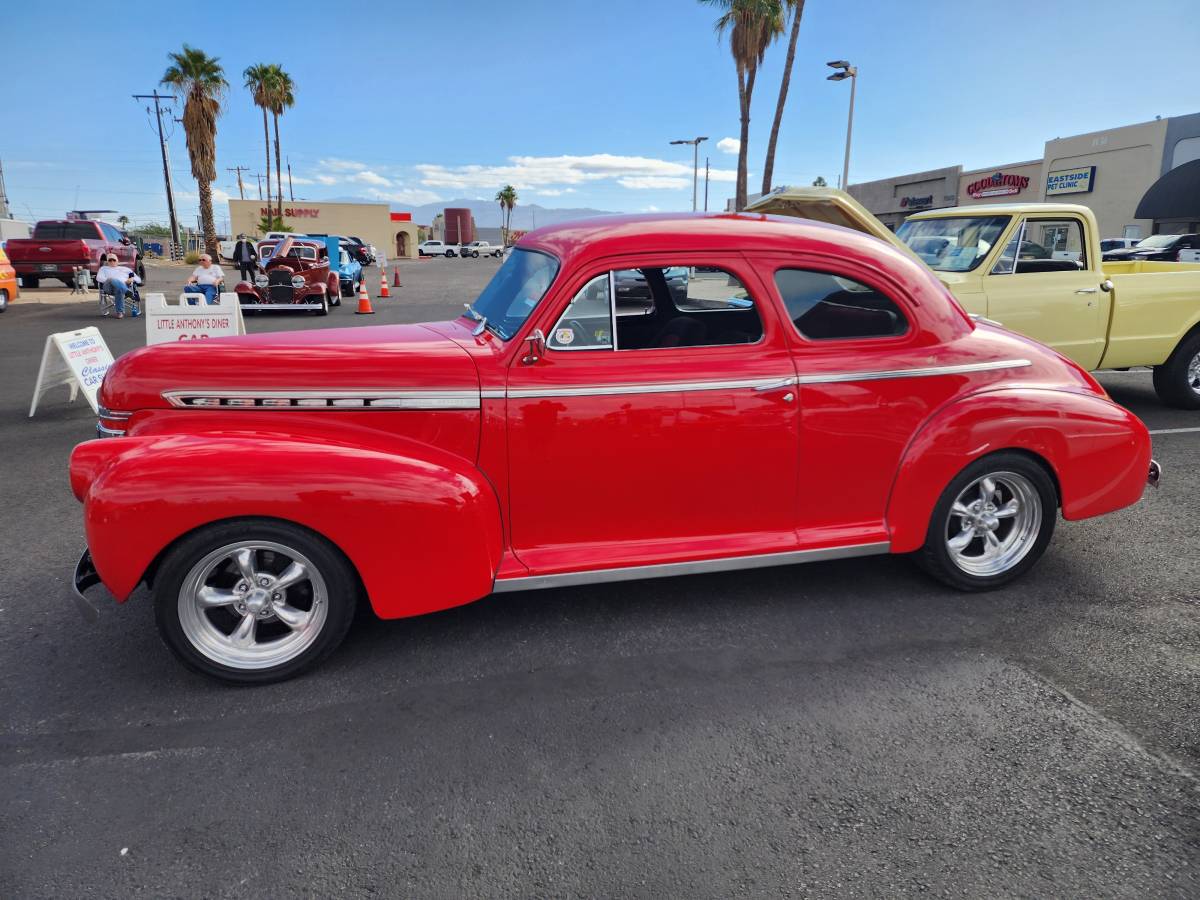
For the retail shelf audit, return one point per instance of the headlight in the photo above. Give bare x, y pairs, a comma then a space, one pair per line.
297, 281
260, 281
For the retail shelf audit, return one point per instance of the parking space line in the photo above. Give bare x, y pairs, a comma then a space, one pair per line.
1176, 430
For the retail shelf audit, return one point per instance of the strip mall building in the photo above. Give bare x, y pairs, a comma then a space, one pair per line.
394, 233
1107, 171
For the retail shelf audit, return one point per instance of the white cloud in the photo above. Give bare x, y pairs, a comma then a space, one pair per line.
324, 179
537, 172
552, 192
649, 209
412, 197
369, 177
729, 145
343, 165
220, 196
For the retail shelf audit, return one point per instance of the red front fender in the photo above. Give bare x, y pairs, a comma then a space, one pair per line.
421, 526
1098, 452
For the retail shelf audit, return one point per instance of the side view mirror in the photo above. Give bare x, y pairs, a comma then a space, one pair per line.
1106, 285
126, 241
535, 347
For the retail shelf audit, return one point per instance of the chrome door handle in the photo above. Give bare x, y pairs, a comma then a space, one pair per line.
776, 384
1087, 290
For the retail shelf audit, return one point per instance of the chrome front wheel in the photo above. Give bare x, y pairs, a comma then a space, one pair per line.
254, 600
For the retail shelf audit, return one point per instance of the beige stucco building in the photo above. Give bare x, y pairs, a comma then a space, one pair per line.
372, 222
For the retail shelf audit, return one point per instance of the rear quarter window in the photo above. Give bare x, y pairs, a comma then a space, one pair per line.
828, 307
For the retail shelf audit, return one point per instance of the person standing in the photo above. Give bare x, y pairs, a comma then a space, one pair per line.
118, 280
245, 257
206, 279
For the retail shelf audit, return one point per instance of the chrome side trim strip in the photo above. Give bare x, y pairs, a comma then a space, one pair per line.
105, 413
660, 388
666, 570
383, 398
835, 377
499, 394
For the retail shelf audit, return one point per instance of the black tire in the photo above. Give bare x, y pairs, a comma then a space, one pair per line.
474, 254
935, 556
1174, 382
324, 310
3, 299
341, 583
141, 271
450, 254
68, 282
29, 281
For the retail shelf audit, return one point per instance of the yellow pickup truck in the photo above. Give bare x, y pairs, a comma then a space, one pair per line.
1036, 268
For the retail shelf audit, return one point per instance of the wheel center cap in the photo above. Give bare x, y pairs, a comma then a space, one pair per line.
258, 600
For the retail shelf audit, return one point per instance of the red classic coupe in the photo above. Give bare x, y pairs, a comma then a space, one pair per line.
628, 398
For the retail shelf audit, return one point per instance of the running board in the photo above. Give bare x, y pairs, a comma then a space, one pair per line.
694, 567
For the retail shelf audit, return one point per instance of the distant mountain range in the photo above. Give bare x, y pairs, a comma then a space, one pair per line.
487, 212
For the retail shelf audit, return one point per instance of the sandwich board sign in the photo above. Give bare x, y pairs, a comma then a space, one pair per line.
189, 318
77, 359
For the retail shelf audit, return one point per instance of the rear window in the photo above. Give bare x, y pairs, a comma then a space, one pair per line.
824, 306
65, 231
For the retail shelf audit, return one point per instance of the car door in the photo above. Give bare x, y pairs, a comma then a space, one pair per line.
1049, 290
666, 448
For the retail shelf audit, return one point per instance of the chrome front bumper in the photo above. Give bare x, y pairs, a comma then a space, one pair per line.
1155, 474
85, 577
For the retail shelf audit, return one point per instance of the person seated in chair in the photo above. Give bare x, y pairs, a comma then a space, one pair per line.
206, 279
118, 280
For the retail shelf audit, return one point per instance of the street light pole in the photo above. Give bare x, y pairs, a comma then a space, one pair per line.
695, 142
851, 72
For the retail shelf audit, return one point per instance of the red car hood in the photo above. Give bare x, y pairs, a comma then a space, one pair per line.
386, 357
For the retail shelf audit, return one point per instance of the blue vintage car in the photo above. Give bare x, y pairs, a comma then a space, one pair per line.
348, 269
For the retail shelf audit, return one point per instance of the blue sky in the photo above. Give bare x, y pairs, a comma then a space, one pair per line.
573, 102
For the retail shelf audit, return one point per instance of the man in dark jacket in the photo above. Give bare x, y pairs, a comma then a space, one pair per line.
245, 257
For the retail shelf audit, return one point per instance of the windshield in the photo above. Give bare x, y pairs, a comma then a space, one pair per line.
1158, 241
956, 244
515, 290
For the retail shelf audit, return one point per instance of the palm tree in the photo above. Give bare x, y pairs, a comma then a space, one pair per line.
258, 80
283, 97
797, 10
752, 26
123, 221
507, 198
820, 181
199, 79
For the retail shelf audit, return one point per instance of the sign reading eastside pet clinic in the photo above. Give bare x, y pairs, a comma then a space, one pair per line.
77, 359
190, 318
1070, 181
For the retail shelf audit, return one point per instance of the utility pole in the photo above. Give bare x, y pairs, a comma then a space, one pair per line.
291, 194
258, 175
162, 143
695, 142
5, 212
239, 170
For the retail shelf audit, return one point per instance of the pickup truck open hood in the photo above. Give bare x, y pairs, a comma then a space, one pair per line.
378, 358
829, 205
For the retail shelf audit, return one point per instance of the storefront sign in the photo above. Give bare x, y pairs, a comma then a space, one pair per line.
189, 318
77, 359
916, 202
294, 212
1071, 181
998, 185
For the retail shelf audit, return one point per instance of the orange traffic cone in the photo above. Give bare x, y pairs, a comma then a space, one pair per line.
364, 301
396, 278
383, 288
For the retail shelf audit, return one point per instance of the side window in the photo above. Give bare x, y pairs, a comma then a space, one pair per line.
659, 307
1051, 245
586, 323
825, 307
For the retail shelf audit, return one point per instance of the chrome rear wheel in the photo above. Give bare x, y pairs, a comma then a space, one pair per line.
993, 523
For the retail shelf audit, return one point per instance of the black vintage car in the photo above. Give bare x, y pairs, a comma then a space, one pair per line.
1157, 248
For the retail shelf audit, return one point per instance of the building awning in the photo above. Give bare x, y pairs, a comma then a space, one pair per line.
1174, 196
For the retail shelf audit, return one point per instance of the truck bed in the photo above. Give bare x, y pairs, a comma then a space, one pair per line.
1152, 304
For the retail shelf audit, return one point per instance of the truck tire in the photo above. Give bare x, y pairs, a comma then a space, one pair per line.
474, 254
29, 281
449, 254
3, 300
141, 271
1177, 381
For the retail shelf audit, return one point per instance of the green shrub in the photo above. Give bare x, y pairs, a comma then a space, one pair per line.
192, 257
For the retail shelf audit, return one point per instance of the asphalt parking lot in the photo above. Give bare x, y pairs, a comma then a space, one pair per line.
837, 729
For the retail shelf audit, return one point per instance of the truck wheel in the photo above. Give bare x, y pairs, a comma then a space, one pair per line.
991, 524
1177, 381
141, 271
474, 254
29, 281
254, 600
450, 254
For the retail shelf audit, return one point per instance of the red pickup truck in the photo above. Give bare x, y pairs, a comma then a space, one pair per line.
58, 245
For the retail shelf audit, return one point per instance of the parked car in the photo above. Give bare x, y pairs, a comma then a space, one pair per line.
295, 275
59, 245
347, 268
1117, 244
354, 246
1156, 248
540, 440
8, 282
476, 249
1119, 314
437, 248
